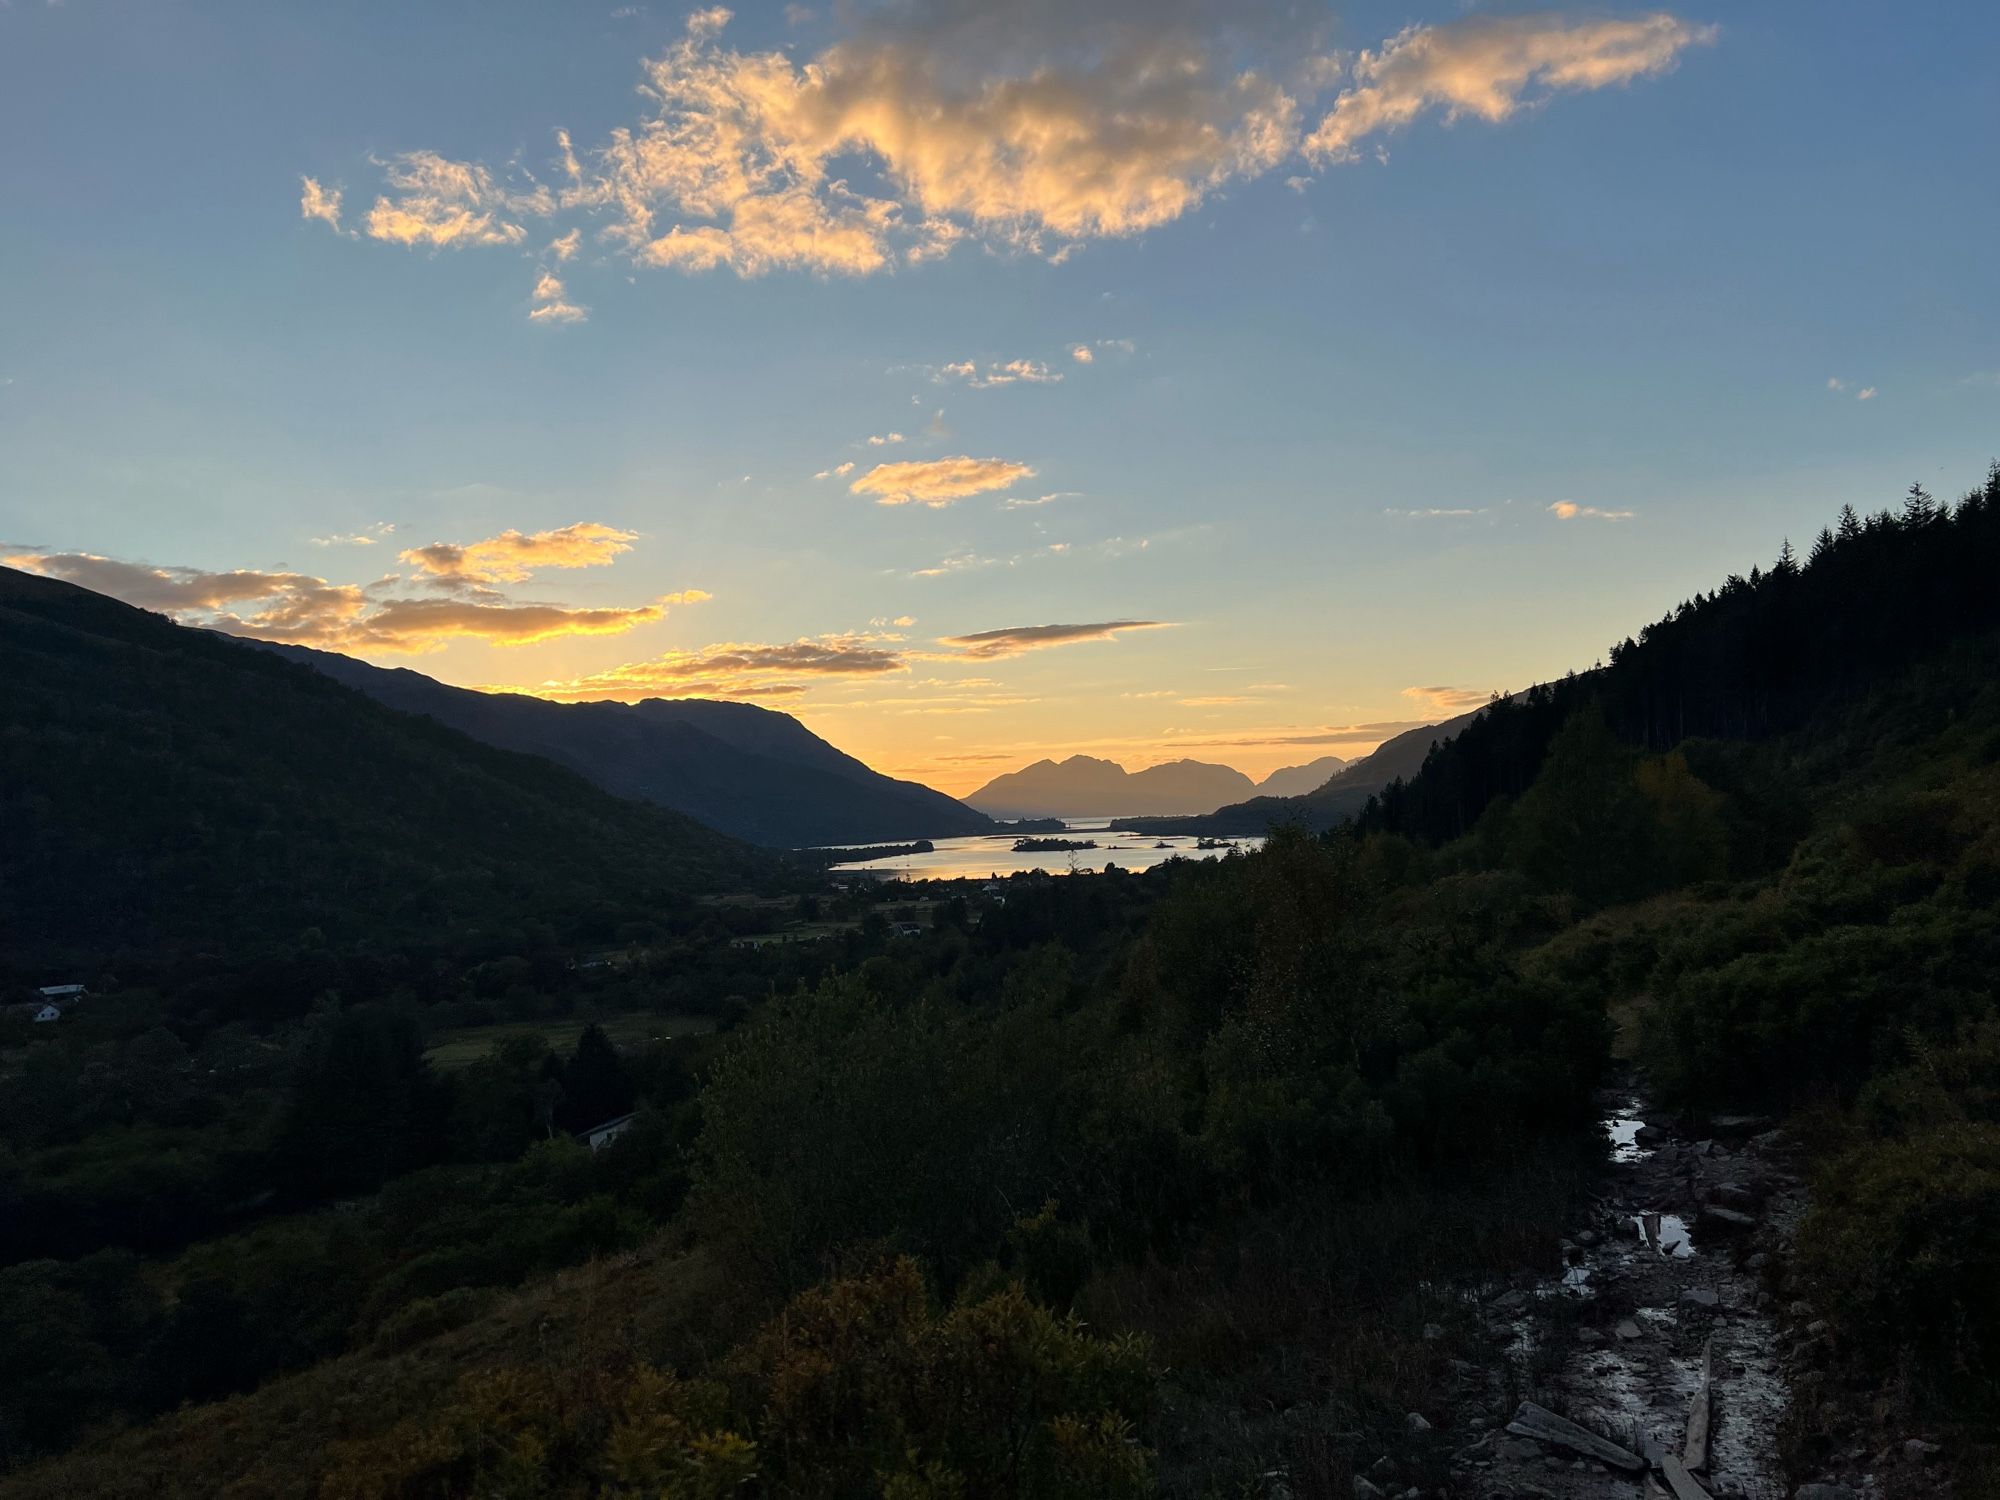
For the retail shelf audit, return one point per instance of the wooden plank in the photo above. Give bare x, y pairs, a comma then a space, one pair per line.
1544, 1426
1694, 1453
1680, 1482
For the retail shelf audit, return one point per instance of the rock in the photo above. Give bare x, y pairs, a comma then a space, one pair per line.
1701, 1299
1383, 1467
1589, 1237
1627, 1329
1363, 1490
1625, 1229
1414, 1423
1757, 1262
1738, 1127
1824, 1491
1917, 1451
1765, 1302
1589, 1337
1519, 1449
1725, 1220
1512, 1301
1733, 1195
1816, 1328
1432, 1333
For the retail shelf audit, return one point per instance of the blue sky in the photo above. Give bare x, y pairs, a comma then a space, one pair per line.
1613, 259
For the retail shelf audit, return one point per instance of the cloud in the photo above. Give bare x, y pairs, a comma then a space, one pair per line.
563, 246
445, 204
513, 556
838, 471
367, 537
986, 645
1013, 371
1023, 503
1866, 393
938, 482
1037, 126
884, 439
551, 305
1439, 513
1488, 67
300, 609
735, 669
1835, 383
1569, 510
1082, 354
1448, 702
316, 202
1218, 700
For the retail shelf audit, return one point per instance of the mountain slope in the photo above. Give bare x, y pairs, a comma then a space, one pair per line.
1339, 798
746, 771
165, 790
1084, 786
1298, 781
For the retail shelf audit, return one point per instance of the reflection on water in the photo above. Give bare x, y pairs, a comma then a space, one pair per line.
989, 855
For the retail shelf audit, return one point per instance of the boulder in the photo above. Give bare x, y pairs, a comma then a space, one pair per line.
1701, 1299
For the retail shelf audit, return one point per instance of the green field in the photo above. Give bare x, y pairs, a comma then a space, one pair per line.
467, 1044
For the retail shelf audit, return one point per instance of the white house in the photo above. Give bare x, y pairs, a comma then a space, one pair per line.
48, 1013
60, 994
600, 1136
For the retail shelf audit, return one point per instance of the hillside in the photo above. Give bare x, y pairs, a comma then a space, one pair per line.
1084, 786
745, 771
165, 790
1333, 801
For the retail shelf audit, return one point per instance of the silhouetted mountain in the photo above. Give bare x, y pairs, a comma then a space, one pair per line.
1297, 781
1083, 786
746, 771
1336, 800
165, 790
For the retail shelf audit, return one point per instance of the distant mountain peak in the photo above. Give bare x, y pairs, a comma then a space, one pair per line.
1086, 786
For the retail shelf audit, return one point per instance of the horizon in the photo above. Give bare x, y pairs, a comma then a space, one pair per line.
798, 356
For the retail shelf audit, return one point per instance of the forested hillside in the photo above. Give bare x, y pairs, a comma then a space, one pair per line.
166, 791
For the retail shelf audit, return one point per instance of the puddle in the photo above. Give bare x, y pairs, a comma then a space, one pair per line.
1665, 1234
1623, 1128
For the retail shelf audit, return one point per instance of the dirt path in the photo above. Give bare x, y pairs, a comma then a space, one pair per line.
1662, 1277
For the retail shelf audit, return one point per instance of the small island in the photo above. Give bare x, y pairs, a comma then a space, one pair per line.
1213, 843
1051, 846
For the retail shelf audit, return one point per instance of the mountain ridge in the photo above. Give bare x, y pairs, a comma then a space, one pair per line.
1086, 786
746, 771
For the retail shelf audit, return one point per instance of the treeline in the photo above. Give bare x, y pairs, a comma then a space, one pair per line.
1748, 660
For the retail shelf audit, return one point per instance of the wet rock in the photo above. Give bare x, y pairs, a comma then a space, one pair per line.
1719, 1220
1627, 1329
1415, 1424
1625, 1229
1733, 1195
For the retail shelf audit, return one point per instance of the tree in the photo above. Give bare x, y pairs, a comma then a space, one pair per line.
595, 1084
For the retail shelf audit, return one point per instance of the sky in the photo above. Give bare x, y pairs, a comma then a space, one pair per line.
980, 382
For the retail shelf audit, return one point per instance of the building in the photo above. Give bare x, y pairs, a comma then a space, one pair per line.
47, 1012
600, 1136
62, 994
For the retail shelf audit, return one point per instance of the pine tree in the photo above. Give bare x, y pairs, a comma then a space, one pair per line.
1788, 562
1918, 507
1822, 545
1850, 524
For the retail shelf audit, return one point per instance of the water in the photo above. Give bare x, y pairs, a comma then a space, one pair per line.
985, 855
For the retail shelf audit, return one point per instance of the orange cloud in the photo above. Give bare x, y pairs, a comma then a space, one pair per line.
733, 669
444, 204
299, 609
514, 555
1448, 702
1485, 67
316, 202
938, 482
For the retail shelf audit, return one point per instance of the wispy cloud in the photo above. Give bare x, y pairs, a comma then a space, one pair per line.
1440, 513
1448, 702
735, 669
322, 203
938, 482
443, 204
1489, 67
998, 373
838, 471
551, 303
368, 536
1015, 640
1569, 510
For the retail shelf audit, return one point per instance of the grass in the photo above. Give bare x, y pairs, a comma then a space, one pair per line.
465, 1045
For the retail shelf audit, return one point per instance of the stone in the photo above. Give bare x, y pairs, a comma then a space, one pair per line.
1512, 1301
1757, 1262
1917, 1451
1364, 1490
1824, 1490
1701, 1299
1589, 1237
1718, 1219
1414, 1423
1738, 1127
1733, 1195
1627, 1329
1816, 1328
1432, 1333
